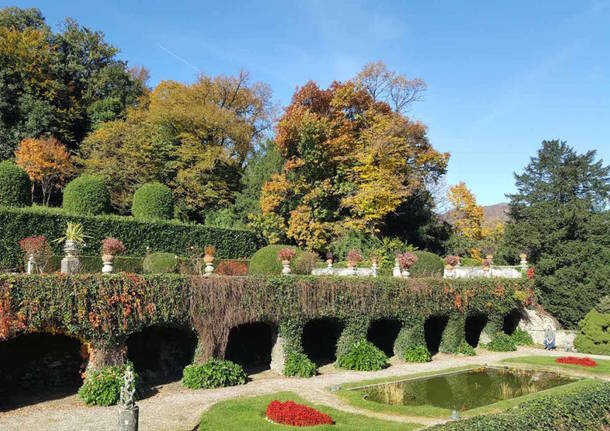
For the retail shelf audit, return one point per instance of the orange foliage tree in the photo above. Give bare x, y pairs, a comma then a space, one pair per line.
351, 161
47, 162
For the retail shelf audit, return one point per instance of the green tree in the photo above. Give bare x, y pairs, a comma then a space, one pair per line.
61, 84
560, 218
193, 138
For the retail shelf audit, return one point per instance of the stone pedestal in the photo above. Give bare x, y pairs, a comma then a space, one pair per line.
128, 419
70, 265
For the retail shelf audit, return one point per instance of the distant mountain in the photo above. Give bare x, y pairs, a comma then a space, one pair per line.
491, 214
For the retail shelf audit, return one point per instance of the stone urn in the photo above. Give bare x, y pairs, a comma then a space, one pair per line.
405, 273
448, 267
351, 266
396, 270
285, 267
329, 263
107, 259
209, 267
70, 263
374, 267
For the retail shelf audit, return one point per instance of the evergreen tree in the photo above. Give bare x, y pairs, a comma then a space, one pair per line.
560, 217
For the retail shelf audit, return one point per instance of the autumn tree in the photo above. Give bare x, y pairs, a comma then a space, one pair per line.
62, 84
350, 161
466, 215
46, 161
193, 138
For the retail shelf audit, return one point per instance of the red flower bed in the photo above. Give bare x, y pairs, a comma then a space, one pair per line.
573, 360
291, 413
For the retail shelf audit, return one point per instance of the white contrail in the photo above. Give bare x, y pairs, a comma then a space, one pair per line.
176, 56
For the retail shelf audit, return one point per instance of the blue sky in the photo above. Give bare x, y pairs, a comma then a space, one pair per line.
501, 76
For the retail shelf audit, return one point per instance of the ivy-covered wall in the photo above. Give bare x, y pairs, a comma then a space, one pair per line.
104, 310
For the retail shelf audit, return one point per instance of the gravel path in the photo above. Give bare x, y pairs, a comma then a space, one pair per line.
174, 407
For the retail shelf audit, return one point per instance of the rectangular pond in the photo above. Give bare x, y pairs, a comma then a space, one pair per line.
464, 390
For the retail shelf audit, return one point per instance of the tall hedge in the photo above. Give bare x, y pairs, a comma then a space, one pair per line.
153, 201
170, 236
15, 186
86, 195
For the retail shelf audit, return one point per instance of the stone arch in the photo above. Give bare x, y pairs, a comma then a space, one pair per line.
250, 344
40, 366
434, 326
383, 333
160, 353
475, 323
319, 339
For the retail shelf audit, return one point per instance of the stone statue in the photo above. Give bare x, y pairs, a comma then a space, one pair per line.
128, 411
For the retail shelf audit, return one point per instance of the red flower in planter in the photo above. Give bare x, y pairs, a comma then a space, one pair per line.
530, 273
291, 413
573, 360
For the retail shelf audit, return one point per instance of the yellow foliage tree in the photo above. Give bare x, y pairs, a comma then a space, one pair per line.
466, 215
46, 161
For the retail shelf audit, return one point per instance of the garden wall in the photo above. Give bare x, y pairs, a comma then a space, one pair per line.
137, 235
104, 311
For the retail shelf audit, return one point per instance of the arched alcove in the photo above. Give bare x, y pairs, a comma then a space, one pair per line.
159, 354
39, 367
319, 339
474, 326
250, 346
382, 333
433, 330
511, 321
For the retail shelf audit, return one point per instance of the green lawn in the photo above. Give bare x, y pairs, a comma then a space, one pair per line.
249, 414
603, 366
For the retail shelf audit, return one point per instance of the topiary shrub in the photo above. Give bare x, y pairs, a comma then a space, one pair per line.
417, 353
427, 265
594, 336
522, 338
215, 373
469, 261
265, 262
465, 349
160, 263
86, 195
153, 201
363, 356
501, 342
15, 186
299, 365
103, 387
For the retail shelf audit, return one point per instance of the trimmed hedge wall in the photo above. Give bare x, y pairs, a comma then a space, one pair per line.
584, 408
169, 236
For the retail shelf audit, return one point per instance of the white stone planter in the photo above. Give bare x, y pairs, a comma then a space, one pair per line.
209, 267
405, 273
70, 264
107, 259
31, 264
285, 267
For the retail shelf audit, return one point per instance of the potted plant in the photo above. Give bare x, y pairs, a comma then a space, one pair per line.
353, 258
406, 261
37, 252
486, 263
285, 255
73, 238
110, 247
451, 261
208, 258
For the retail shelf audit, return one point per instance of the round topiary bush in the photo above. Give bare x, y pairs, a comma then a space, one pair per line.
153, 201
363, 356
264, 261
86, 195
215, 373
15, 186
160, 263
427, 265
594, 337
